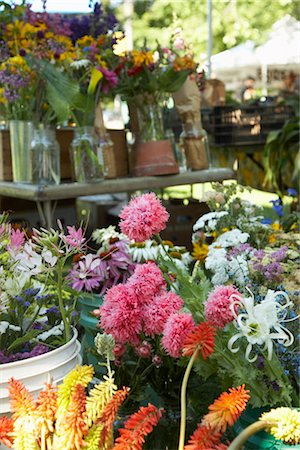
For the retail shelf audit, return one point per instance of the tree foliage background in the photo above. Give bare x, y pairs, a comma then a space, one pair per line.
234, 21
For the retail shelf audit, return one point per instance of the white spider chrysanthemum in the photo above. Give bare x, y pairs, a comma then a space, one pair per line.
261, 323
209, 220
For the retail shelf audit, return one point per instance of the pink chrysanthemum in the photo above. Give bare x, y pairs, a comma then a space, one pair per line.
120, 314
143, 217
217, 307
157, 312
147, 281
176, 330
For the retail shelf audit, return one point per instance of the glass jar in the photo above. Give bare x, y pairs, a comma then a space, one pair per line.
87, 156
150, 121
194, 143
178, 151
45, 157
106, 147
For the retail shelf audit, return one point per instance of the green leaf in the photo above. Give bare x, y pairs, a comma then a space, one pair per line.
23, 339
171, 81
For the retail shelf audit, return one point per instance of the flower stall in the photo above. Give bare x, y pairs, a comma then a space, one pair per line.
118, 339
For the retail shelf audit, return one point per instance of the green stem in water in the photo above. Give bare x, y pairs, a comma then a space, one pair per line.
66, 323
183, 399
239, 441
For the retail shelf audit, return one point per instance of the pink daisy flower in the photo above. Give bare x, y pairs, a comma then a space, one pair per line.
147, 281
217, 306
176, 330
86, 274
157, 312
143, 217
120, 314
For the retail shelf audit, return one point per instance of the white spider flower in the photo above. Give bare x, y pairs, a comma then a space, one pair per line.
261, 323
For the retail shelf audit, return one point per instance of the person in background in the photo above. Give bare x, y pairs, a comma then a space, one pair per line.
248, 90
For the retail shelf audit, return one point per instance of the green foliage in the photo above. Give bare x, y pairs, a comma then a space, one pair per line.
234, 21
281, 157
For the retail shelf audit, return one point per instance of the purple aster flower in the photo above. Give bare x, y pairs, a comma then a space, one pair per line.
273, 271
280, 254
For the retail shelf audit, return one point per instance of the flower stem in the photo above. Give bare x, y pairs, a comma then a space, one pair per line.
183, 399
61, 303
240, 440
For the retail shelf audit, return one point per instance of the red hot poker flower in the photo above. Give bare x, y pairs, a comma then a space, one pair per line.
202, 337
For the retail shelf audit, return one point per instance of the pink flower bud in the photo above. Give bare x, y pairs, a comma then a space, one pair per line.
157, 361
119, 350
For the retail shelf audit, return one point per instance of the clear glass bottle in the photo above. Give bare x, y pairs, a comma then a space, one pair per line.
178, 150
194, 142
106, 148
87, 156
45, 157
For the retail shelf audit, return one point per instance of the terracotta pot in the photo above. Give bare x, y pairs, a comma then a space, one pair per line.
154, 158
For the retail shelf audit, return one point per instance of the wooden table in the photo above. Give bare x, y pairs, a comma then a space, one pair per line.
46, 196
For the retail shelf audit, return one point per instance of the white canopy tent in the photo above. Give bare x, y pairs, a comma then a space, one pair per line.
281, 51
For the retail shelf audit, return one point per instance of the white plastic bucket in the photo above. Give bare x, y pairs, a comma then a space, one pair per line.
34, 372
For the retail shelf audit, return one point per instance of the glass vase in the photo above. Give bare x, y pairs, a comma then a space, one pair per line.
21, 134
87, 156
152, 153
194, 144
45, 157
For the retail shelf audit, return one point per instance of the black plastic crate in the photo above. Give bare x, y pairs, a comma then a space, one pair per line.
246, 125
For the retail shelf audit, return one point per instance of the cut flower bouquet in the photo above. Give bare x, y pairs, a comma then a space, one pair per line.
255, 328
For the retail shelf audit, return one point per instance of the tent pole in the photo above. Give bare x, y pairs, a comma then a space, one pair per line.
210, 37
264, 79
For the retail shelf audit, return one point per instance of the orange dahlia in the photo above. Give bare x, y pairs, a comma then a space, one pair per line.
226, 409
201, 338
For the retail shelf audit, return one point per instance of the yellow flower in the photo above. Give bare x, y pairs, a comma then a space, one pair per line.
138, 57
3, 100
276, 226
17, 61
148, 58
80, 375
85, 41
98, 398
285, 424
200, 251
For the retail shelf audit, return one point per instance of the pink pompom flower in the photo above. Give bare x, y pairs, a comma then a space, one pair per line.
157, 312
120, 315
146, 281
176, 330
143, 217
217, 307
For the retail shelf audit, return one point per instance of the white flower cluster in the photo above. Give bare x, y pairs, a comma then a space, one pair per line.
224, 268
4, 326
57, 330
209, 221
